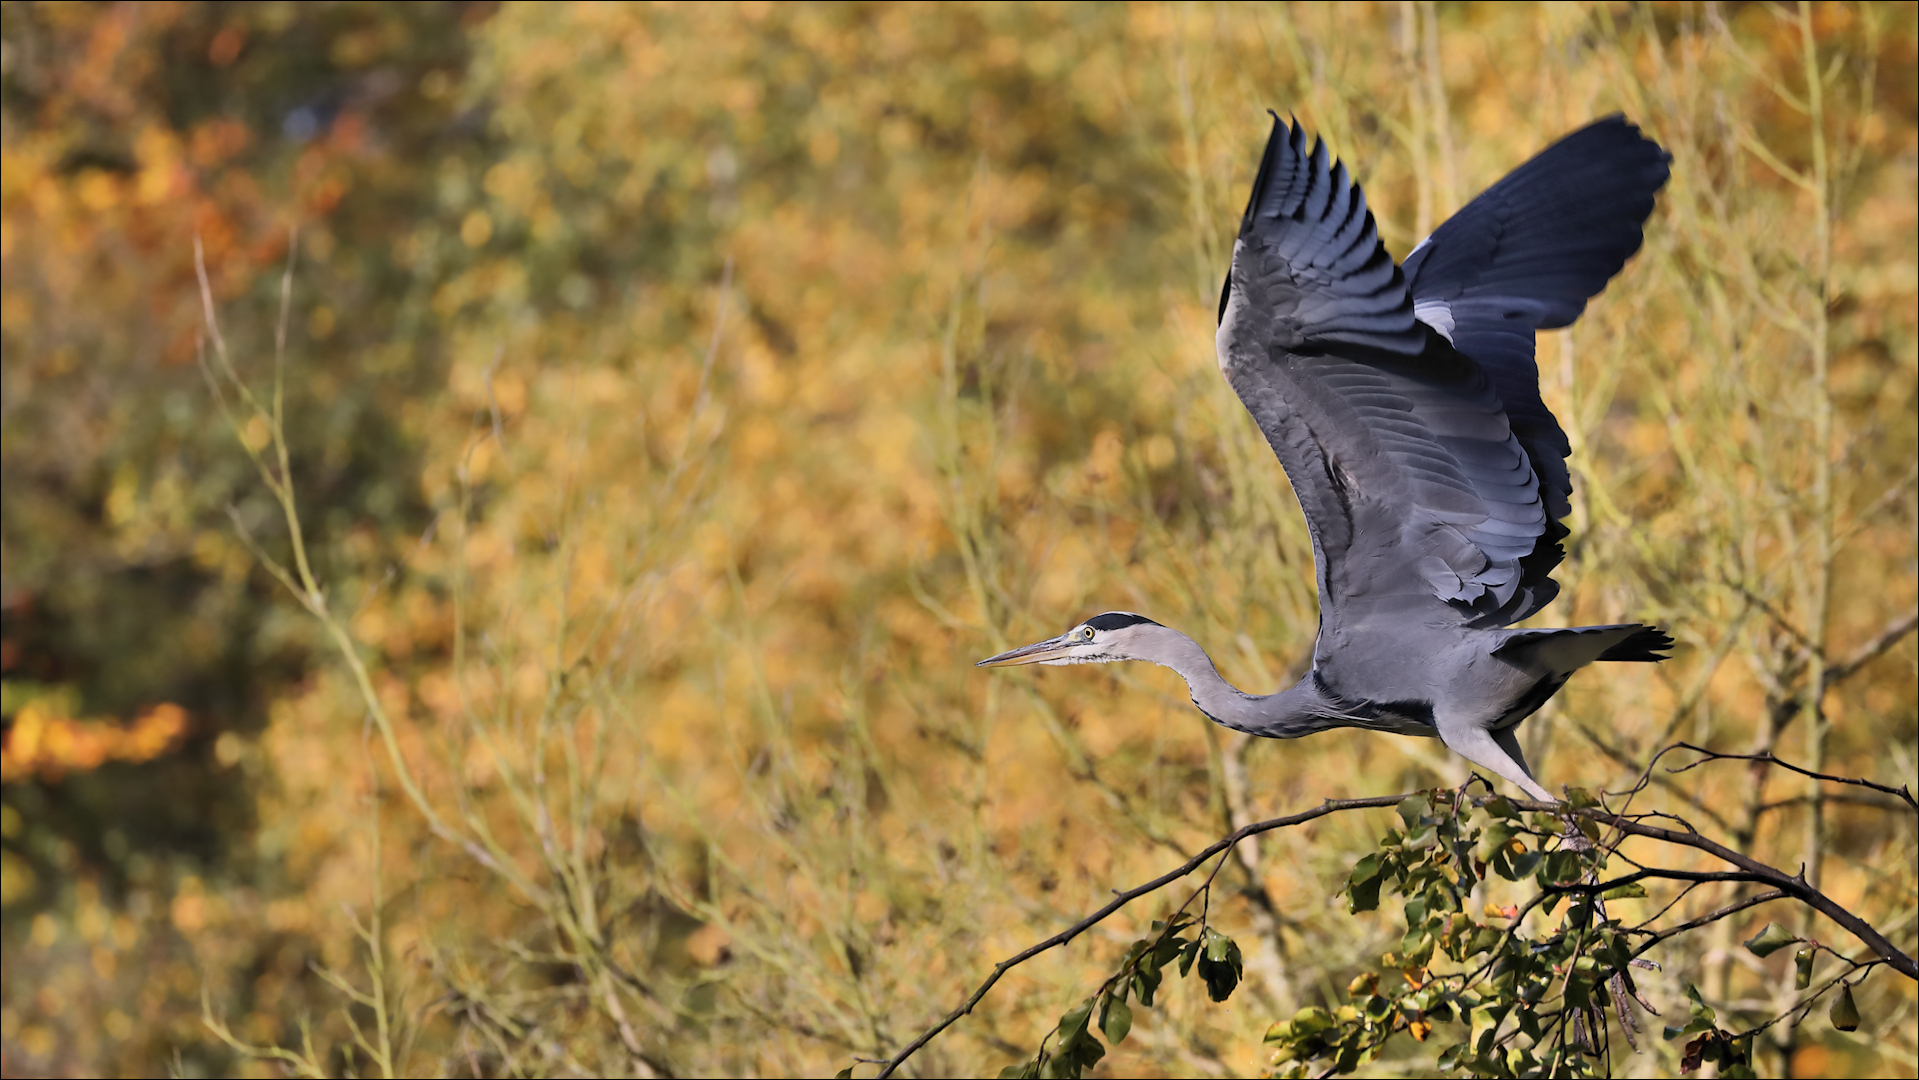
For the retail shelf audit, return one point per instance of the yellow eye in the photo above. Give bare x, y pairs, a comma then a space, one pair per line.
1086, 632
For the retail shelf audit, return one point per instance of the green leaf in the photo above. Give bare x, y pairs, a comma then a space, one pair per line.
1186, 956
1147, 974
1770, 940
1077, 1049
1418, 954
1085, 1053
1844, 1014
1561, 867
1501, 807
1485, 939
1412, 808
847, 1073
1310, 1020
1519, 1061
1220, 965
1580, 991
1703, 1017
1580, 798
1802, 968
1216, 944
1524, 864
1629, 891
1073, 1023
1485, 1020
1167, 948
1115, 1020
1498, 836
1363, 897
1220, 979
1146, 983
1350, 1055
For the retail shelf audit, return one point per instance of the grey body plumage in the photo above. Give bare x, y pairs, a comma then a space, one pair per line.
1404, 404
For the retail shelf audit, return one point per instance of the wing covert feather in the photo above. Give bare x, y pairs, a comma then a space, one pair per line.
1526, 255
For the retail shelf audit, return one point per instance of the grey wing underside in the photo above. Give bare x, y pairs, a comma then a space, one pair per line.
1415, 489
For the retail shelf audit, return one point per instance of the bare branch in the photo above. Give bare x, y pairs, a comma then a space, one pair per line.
1903, 792
1871, 650
1330, 806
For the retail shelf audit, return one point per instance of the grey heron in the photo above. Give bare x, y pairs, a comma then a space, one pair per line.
1403, 402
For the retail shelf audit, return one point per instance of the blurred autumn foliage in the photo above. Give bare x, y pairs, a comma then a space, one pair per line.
678, 398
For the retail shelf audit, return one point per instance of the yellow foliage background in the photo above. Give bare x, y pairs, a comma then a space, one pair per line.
681, 397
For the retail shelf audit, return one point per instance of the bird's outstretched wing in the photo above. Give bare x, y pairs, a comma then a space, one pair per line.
1414, 487
1524, 256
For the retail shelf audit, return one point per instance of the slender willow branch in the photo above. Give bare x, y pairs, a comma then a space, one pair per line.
1330, 806
1794, 886
1595, 888
1829, 800
1903, 792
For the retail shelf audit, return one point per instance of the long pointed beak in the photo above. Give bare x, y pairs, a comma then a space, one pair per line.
1037, 653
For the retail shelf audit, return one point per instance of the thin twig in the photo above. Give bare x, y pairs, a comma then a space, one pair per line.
1903, 791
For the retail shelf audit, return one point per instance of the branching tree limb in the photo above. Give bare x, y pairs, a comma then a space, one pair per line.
1432, 863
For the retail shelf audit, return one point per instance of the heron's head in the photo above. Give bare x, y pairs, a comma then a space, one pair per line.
1101, 639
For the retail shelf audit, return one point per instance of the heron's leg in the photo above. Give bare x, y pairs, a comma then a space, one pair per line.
1497, 751
1507, 739
1588, 1024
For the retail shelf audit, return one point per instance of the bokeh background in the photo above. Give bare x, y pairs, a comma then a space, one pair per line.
680, 397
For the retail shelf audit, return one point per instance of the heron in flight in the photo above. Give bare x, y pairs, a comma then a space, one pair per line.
1403, 402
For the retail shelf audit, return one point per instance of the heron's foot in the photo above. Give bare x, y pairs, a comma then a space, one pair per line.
1464, 790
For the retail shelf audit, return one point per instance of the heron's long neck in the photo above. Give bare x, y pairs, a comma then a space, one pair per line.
1292, 712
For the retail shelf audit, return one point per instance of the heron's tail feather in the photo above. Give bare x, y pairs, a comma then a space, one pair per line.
1649, 645
1569, 649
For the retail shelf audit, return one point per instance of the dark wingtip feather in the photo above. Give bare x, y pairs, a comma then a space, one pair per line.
1279, 132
